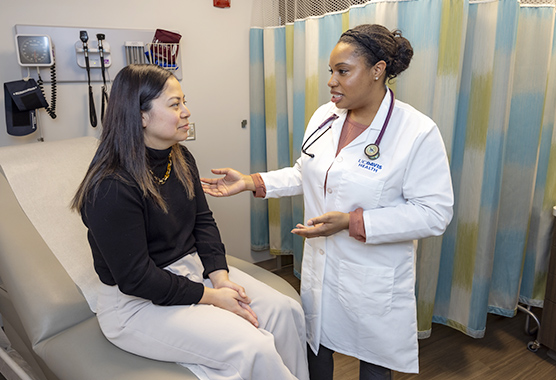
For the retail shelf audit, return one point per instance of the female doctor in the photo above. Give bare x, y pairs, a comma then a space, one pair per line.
375, 178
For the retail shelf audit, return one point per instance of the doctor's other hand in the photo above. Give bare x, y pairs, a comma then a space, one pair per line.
232, 183
324, 225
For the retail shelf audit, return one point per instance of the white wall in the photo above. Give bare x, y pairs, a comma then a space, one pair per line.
215, 62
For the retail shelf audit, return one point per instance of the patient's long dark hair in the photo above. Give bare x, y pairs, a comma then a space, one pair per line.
122, 143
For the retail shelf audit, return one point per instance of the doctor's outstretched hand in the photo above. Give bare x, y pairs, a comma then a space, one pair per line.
324, 225
232, 183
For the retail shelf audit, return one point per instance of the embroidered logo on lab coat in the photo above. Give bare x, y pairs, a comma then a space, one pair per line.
369, 165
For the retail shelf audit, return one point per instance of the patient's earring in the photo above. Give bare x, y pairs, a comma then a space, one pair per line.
376, 78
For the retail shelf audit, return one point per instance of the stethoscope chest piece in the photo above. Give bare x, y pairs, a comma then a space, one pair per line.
372, 151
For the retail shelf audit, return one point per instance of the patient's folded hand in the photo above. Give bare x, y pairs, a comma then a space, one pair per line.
229, 296
229, 299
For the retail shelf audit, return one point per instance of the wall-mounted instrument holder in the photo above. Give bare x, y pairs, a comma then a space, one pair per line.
135, 52
94, 54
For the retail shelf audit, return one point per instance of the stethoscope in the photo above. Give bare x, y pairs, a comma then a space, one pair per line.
372, 151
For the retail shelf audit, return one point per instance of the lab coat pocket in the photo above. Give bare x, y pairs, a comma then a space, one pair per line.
358, 190
310, 288
365, 290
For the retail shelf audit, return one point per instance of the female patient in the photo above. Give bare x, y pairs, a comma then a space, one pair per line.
167, 292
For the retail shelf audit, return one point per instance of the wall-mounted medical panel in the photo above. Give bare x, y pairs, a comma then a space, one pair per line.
67, 51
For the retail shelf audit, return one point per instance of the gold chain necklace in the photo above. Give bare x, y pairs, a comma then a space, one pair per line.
162, 181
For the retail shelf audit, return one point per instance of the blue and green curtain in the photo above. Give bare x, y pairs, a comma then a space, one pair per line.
485, 71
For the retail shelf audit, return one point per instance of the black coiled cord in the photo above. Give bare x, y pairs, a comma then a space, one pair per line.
51, 110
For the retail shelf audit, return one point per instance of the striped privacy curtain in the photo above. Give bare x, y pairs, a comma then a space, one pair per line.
485, 71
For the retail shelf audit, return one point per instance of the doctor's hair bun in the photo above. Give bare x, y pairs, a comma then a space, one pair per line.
376, 43
405, 53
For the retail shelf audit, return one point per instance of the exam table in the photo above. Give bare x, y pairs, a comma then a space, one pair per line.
46, 278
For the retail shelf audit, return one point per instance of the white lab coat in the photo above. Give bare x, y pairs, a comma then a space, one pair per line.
359, 298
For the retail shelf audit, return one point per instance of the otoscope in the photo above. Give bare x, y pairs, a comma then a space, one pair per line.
100, 38
92, 112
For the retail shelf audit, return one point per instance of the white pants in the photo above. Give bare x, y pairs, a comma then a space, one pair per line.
212, 342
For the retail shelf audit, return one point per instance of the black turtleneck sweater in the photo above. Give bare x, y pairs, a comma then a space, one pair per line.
132, 239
